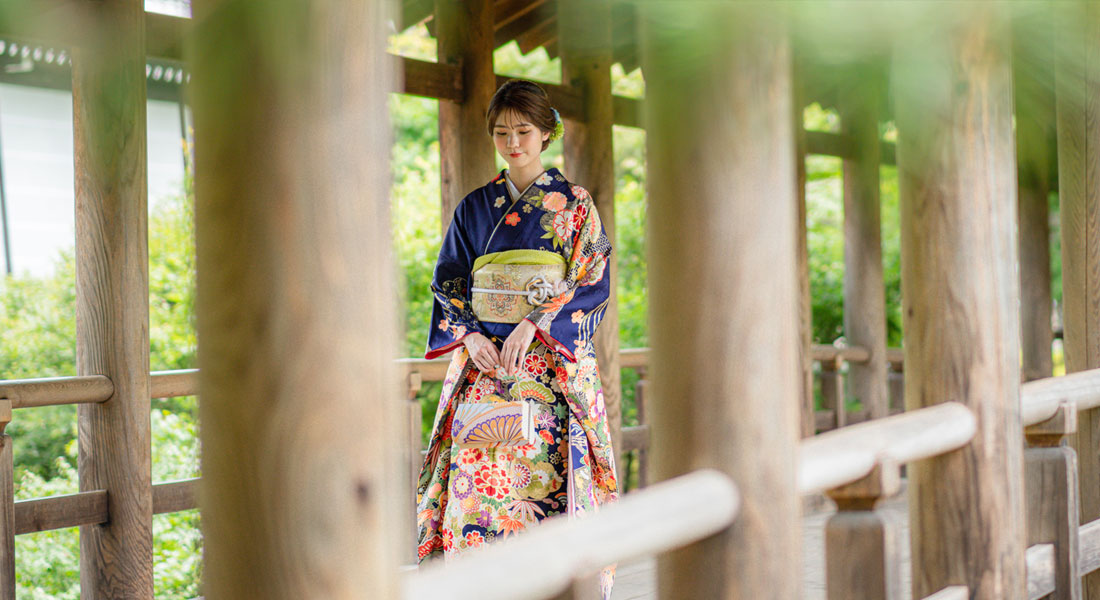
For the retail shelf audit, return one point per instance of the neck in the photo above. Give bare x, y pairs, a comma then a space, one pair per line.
526, 176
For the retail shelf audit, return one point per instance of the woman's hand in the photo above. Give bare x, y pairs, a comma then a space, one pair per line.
515, 347
484, 354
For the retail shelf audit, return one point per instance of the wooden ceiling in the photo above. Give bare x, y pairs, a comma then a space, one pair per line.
533, 24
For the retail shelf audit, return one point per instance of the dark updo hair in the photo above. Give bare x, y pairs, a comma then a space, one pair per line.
524, 98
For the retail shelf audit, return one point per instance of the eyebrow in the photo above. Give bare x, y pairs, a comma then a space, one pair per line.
506, 127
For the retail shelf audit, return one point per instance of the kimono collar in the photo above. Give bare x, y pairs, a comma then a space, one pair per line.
547, 180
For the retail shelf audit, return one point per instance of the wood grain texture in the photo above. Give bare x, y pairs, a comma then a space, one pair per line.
1088, 546
7, 520
174, 496
464, 32
1077, 85
53, 391
590, 163
61, 512
1033, 88
1041, 398
1051, 490
172, 384
864, 290
723, 288
112, 289
296, 305
1040, 571
833, 398
956, 176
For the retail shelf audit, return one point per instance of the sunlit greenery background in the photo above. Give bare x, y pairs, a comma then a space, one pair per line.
37, 315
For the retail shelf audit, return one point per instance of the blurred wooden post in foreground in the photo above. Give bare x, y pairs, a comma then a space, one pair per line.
300, 428
467, 160
1078, 126
722, 279
807, 423
956, 174
585, 40
112, 287
864, 291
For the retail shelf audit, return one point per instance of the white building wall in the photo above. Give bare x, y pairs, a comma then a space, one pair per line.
36, 150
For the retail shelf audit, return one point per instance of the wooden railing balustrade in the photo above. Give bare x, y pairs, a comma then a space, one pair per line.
857, 466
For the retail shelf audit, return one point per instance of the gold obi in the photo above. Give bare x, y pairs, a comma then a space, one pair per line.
508, 285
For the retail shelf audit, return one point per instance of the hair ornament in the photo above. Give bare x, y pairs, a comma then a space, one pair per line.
559, 126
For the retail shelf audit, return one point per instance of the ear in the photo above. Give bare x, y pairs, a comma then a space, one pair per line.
545, 135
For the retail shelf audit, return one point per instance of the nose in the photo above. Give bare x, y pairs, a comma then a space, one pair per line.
513, 140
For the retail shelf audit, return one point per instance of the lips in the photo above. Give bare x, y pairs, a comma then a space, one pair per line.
516, 154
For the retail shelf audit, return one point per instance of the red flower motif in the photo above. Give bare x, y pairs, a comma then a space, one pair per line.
448, 540
493, 481
579, 215
474, 539
512, 219
534, 364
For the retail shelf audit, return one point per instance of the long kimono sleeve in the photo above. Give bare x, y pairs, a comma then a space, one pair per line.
568, 321
452, 316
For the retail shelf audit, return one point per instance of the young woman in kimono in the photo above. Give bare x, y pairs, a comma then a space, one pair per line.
469, 496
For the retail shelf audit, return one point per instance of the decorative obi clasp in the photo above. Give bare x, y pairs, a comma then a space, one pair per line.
505, 290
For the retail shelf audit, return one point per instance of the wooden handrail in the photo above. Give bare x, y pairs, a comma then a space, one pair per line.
170, 384
676, 512
1089, 547
1039, 399
846, 455
823, 353
1040, 571
174, 496
59, 512
54, 391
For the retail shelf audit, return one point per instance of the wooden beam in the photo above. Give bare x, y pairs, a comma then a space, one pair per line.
61, 512
54, 391
1078, 125
300, 488
112, 288
736, 242
512, 29
956, 174
466, 156
432, 80
174, 496
508, 11
538, 35
1033, 78
590, 162
864, 290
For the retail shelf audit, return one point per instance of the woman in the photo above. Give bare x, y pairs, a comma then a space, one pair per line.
468, 496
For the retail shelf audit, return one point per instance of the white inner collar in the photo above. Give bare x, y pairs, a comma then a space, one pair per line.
513, 191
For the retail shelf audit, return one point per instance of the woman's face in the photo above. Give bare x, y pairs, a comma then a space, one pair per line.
517, 140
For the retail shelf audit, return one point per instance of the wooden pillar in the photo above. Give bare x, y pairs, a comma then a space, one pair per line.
112, 295
1078, 126
807, 423
723, 287
301, 403
864, 290
956, 174
1033, 77
584, 37
464, 31
7, 506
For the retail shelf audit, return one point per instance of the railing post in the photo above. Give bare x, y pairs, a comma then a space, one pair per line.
1077, 85
1050, 470
956, 173
723, 284
112, 290
7, 507
864, 292
302, 426
807, 422
862, 550
832, 391
640, 406
413, 437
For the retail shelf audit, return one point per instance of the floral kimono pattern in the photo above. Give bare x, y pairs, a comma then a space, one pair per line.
469, 496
